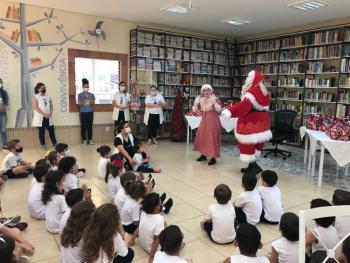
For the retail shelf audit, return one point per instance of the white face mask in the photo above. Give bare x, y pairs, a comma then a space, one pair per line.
153, 93
122, 88
86, 89
67, 153
128, 130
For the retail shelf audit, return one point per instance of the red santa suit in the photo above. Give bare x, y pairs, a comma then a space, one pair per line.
253, 124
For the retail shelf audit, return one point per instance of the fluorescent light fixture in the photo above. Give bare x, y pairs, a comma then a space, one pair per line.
237, 21
178, 9
309, 5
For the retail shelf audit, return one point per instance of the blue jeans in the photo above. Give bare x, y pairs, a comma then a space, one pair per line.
3, 123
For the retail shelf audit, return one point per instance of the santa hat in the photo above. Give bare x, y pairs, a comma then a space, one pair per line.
253, 79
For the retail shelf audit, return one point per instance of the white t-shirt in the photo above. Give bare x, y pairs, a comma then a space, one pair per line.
64, 220
130, 212
10, 161
113, 186
119, 199
272, 203
251, 203
54, 211
138, 159
245, 259
101, 167
162, 257
120, 249
223, 218
342, 224
150, 225
72, 254
71, 181
154, 100
327, 236
36, 207
287, 251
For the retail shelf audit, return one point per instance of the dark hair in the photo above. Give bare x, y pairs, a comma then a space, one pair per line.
40, 171
66, 164
341, 197
269, 177
41, 162
79, 218
37, 87
153, 86
248, 238
289, 226
3, 94
50, 186
111, 168
249, 181
84, 81
346, 248
324, 221
74, 196
100, 232
222, 194
135, 189
103, 150
137, 147
126, 88
121, 126
127, 177
60, 147
170, 240
150, 202
11, 145
52, 156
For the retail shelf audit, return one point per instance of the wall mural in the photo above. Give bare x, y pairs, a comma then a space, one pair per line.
30, 38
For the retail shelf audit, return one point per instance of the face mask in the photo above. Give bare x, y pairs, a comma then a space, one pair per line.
128, 130
43, 91
122, 88
75, 169
153, 93
19, 150
67, 153
86, 89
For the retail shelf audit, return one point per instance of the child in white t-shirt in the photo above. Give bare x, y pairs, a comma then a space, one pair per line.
342, 223
71, 236
171, 243
53, 198
63, 150
248, 241
248, 205
105, 153
54, 159
105, 220
220, 220
114, 169
286, 249
142, 161
271, 198
73, 197
36, 206
120, 197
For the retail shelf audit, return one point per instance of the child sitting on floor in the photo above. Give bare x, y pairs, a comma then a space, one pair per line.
342, 223
271, 198
114, 170
120, 197
220, 220
142, 161
54, 159
63, 150
248, 241
286, 249
171, 243
13, 166
105, 153
248, 205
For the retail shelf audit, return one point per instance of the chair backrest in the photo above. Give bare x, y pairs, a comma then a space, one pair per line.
284, 122
310, 214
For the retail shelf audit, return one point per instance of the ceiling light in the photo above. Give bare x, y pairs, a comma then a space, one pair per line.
309, 5
237, 21
178, 9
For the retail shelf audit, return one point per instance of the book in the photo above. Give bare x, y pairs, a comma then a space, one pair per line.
36, 61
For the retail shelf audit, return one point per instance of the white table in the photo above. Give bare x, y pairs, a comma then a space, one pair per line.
194, 121
339, 150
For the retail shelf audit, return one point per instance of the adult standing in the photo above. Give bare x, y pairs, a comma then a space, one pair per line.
43, 109
253, 124
124, 143
121, 105
86, 101
153, 113
208, 136
4, 102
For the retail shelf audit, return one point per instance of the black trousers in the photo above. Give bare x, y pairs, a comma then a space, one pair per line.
51, 129
153, 125
240, 215
86, 120
144, 168
7, 245
264, 220
127, 259
121, 118
208, 227
130, 229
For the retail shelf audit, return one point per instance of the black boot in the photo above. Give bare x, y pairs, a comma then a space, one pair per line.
201, 158
162, 197
168, 204
247, 169
255, 168
212, 161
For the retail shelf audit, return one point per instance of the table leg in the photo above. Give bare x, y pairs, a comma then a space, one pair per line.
309, 160
320, 169
306, 147
313, 164
188, 133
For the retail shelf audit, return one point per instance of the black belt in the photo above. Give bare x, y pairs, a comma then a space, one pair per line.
255, 110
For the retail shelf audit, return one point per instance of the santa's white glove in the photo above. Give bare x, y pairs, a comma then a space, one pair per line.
226, 114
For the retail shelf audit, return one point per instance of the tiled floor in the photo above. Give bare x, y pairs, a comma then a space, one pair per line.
188, 182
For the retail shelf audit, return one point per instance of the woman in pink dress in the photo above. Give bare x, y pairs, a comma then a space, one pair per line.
208, 137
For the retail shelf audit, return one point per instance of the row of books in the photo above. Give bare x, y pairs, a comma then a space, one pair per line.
247, 47
33, 35
169, 103
288, 106
291, 82
268, 44
200, 80
312, 109
246, 59
147, 63
201, 68
319, 96
293, 54
168, 116
292, 68
290, 95
220, 47
201, 44
345, 65
148, 38
172, 78
199, 56
12, 12
346, 50
324, 52
315, 67
347, 35
178, 66
344, 82
324, 37
320, 82
344, 97
243, 70
178, 54
219, 82
270, 82
267, 57
294, 41
220, 59
148, 51
343, 110
268, 68
15, 35
177, 41
223, 92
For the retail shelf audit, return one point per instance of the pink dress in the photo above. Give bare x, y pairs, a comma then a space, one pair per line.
208, 136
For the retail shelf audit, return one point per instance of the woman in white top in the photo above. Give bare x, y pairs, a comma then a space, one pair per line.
153, 113
71, 238
102, 239
43, 109
121, 105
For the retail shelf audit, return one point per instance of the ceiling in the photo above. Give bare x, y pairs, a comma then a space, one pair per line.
269, 15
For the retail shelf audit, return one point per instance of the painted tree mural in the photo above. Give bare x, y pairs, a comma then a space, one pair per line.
23, 48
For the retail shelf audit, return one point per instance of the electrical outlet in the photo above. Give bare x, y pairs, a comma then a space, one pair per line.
107, 128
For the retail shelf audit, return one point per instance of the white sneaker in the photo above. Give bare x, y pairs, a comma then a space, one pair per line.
91, 142
43, 147
84, 142
80, 174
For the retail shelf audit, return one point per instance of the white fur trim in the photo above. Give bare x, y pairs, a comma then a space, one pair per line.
247, 158
207, 86
254, 138
263, 88
257, 153
226, 114
256, 105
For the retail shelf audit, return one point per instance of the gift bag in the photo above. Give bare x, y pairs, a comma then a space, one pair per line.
314, 121
327, 122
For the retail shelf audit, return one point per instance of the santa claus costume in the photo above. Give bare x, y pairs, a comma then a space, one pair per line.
253, 124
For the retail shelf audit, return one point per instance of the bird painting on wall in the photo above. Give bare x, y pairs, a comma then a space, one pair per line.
98, 32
